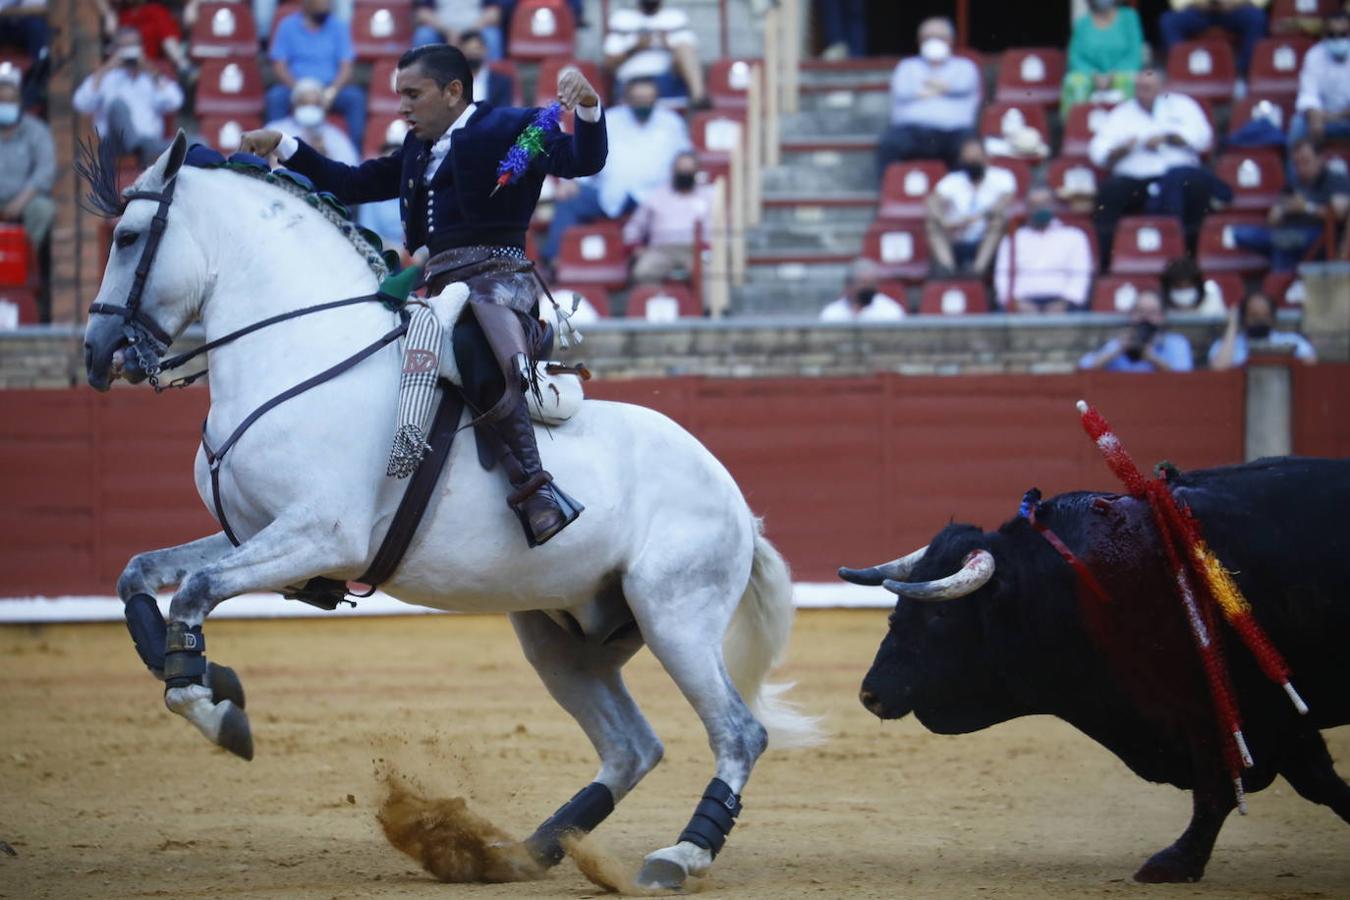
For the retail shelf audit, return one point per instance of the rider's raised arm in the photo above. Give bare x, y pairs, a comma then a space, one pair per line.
374, 179
582, 153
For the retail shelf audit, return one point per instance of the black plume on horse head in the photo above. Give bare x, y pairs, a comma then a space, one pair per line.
96, 165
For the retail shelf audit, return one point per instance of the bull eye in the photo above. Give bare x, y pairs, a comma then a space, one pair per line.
125, 239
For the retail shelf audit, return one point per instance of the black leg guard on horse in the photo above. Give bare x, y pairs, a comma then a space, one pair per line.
146, 624
714, 817
582, 815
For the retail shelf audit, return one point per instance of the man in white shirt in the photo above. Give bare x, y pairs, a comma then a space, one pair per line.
935, 97
129, 99
1045, 266
1323, 105
651, 42
861, 300
308, 122
968, 211
649, 137
1152, 147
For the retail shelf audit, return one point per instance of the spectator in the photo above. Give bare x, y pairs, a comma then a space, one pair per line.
1145, 345
1297, 221
27, 164
844, 23
1251, 326
1151, 145
1045, 266
934, 99
1323, 105
1244, 19
967, 212
312, 43
160, 35
307, 122
1106, 51
129, 99
1184, 289
862, 301
647, 139
663, 225
651, 42
497, 88
23, 26
447, 21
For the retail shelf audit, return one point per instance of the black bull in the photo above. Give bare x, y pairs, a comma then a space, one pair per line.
1126, 672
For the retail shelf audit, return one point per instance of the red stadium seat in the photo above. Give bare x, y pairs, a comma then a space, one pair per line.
1117, 293
223, 132
224, 29
1068, 176
954, 298
1275, 67
1218, 253
18, 306
1021, 171
729, 82
1082, 123
1033, 116
1285, 288
1288, 16
1144, 244
715, 133
379, 127
230, 87
546, 84
906, 186
1030, 75
381, 28
542, 28
664, 302
13, 256
1256, 177
593, 254
509, 68
1242, 112
1202, 69
380, 96
1229, 285
593, 294
901, 249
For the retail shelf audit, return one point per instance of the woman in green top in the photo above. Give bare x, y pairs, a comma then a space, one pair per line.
1106, 51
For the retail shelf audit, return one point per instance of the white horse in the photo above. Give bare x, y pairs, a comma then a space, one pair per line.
667, 553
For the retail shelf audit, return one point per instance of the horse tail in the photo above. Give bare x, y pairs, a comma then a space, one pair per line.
756, 641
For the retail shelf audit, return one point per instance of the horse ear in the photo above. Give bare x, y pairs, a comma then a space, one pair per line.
177, 153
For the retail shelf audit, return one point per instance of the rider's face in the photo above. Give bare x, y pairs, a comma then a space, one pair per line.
427, 108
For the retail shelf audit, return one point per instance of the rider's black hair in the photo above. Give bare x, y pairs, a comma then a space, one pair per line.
441, 63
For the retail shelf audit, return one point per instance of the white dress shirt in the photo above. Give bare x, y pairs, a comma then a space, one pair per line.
1171, 114
883, 308
627, 26
1056, 262
1323, 82
641, 156
964, 198
148, 96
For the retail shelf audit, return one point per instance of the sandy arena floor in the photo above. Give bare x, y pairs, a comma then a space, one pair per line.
103, 793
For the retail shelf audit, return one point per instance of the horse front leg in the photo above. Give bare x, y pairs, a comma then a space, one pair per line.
279, 555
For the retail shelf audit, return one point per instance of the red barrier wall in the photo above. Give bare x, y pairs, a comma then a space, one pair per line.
843, 469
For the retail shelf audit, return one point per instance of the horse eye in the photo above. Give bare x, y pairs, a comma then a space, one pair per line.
127, 238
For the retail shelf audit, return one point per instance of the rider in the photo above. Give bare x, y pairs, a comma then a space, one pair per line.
444, 177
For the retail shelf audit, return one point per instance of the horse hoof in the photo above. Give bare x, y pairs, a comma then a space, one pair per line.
224, 684
235, 734
661, 874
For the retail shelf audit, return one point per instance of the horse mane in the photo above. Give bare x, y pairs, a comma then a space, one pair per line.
96, 165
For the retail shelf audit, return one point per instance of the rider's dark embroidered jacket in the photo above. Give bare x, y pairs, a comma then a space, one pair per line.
459, 211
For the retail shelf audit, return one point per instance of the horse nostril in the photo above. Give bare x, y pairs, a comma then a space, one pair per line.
870, 701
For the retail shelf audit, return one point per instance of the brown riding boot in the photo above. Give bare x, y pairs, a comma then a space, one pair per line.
543, 509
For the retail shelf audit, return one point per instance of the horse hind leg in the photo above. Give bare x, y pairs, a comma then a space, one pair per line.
584, 676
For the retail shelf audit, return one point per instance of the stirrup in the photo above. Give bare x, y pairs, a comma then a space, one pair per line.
542, 484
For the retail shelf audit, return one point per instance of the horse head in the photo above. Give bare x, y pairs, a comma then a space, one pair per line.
154, 278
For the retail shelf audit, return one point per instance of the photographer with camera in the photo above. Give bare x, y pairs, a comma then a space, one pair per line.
129, 99
1145, 345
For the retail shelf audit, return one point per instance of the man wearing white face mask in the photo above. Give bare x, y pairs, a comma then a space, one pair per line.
934, 99
27, 164
307, 121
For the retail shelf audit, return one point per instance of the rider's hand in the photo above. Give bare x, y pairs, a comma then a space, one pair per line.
262, 142
574, 90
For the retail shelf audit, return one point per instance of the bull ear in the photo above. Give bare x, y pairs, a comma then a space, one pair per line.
177, 153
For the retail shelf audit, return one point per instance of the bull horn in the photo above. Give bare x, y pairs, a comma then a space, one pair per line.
973, 575
895, 570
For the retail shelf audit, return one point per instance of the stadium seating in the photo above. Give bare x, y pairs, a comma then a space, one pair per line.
1030, 75
1285, 288
994, 116
230, 87
906, 186
664, 302
1081, 124
1071, 176
1021, 171
715, 132
593, 254
900, 248
1117, 293
1256, 177
1202, 69
1218, 253
18, 306
954, 298
1290, 15
224, 29
1240, 113
1229, 285
1145, 243
223, 131
546, 83
377, 128
380, 96
13, 256
542, 28
595, 295
729, 82
380, 29
1275, 67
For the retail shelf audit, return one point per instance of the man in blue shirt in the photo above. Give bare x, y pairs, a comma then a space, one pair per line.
1145, 345
313, 43
1251, 325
